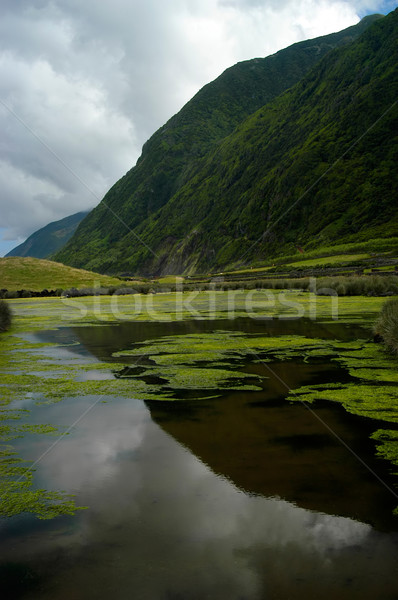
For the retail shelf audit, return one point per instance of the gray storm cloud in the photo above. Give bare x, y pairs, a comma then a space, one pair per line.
85, 84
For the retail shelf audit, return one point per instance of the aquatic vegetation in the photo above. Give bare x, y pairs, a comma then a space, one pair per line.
387, 448
188, 349
369, 362
16, 495
374, 395
197, 378
16, 483
199, 361
376, 402
201, 364
387, 445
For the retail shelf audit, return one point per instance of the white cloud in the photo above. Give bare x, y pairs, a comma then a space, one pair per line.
164, 521
94, 80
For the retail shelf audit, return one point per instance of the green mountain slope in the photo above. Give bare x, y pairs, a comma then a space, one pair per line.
49, 239
316, 166
175, 153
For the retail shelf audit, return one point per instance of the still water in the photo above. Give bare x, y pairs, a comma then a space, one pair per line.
242, 497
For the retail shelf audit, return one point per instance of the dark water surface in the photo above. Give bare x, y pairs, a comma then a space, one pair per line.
240, 497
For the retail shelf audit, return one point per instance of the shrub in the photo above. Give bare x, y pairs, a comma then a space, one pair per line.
386, 325
124, 291
71, 293
374, 285
378, 285
341, 289
10, 295
5, 316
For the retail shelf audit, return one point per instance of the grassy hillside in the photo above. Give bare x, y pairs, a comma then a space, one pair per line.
315, 167
17, 273
49, 239
173, 156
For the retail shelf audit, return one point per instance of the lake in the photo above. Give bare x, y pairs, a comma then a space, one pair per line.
240, 496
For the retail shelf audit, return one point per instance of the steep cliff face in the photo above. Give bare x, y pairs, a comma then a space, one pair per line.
220, 181
314, 167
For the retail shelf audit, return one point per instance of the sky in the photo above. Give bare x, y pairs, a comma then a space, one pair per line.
84, 84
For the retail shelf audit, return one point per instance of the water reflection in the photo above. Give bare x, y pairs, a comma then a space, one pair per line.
269, 448
103, 341
233, 498
162, 525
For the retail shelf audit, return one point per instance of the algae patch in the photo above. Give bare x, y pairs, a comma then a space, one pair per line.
17, 488
387, 440
212, 363
17, 495
373, 392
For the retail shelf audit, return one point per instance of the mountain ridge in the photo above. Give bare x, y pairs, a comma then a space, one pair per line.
360, 190
172, 156
49, 239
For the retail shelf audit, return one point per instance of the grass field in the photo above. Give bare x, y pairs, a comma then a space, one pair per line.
170, 279
34, 274
337, 253
244, 271
328, 260
374, 246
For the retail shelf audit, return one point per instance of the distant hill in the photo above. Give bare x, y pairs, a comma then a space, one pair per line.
49, 239
172, 160
34, 274
277, 153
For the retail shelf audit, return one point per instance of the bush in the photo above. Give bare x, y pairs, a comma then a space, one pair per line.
386, 325
5, 316
374, 285
11, 295
124, 291
341, 289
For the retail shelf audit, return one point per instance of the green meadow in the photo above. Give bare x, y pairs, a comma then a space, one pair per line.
17, 273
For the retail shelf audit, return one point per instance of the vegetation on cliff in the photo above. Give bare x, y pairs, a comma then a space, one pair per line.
198, 198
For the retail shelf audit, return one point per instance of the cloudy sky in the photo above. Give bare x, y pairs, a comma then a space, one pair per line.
83, 84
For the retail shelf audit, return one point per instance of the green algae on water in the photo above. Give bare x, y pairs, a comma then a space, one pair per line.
376, 402
387, 445
211, 363
387, 448
17, 495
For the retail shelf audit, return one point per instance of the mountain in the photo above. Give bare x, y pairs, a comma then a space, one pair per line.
176, 154
49, 239
315, 167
